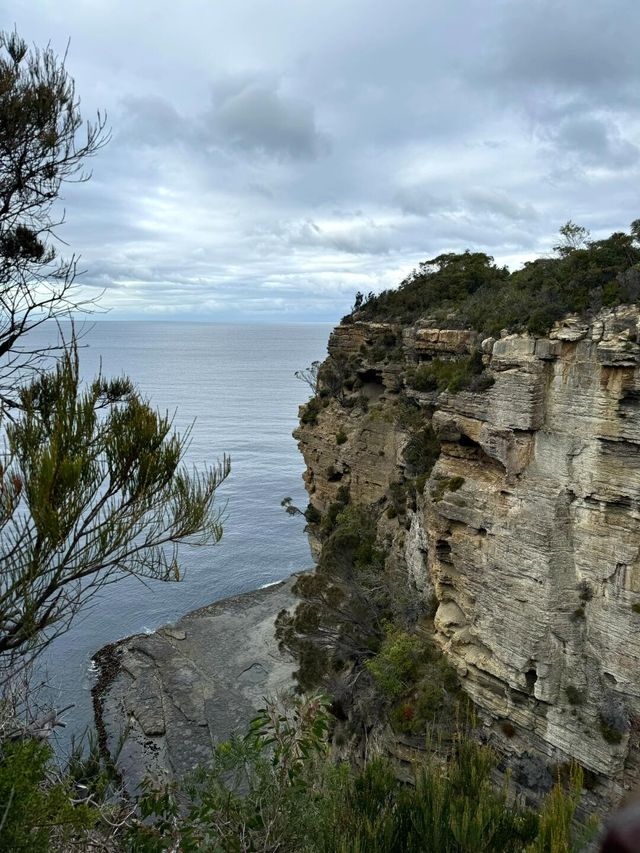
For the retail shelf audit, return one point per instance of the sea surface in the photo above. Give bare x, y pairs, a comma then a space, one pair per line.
234, 385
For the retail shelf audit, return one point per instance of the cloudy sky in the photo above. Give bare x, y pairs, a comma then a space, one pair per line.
270, 158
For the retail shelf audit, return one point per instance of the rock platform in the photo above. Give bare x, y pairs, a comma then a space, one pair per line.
164, 700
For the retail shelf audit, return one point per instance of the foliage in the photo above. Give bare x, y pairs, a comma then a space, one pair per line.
573, 237
574, 695
257, 793
341, 437
36, 813
312, 514
469, 290
92, 482
421, 451
449, 375
94, 488
334, 374
41, 149
447, 484
310, 411
556, 830
343, 603
585, 591
399, 491
614, 718
309, 375
279, 789
396, 665
420, 684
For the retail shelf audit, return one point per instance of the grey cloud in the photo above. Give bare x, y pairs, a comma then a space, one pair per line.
570, 45
417, 200
499, 203
258, 117
246, 114
274, 170
597, 142
152, 119
353, 235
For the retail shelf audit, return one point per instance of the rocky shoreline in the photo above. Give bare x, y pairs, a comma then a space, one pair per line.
162, 701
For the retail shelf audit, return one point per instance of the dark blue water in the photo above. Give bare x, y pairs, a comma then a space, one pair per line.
235, 385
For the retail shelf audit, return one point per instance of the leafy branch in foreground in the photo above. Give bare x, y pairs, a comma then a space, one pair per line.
93, 487
280, 788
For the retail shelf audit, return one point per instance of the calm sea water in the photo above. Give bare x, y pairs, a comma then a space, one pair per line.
235, 384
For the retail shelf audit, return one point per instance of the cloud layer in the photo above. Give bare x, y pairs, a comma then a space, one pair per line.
270, 159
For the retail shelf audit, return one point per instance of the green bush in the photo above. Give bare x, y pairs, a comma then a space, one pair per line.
278, 788
468, 290
396, 665
310, 412
341, 437
421, 452
312, 514
448, 484
38, 814
447, 375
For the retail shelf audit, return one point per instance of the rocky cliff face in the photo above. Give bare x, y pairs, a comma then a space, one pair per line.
527, 529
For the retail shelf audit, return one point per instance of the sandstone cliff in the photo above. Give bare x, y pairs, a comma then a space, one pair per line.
526, 532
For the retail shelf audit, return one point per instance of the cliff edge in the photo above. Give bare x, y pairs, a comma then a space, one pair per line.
505, 472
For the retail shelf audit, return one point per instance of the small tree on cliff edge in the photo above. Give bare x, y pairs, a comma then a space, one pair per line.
92, 482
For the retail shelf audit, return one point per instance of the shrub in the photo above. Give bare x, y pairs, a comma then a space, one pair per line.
310, 411
508, 729
614, 718
420, 483
312, 514
396, 664
279, 788
447, 375
448, 484
585, 591
341, 437
575, 696
610, 734
421, 452
38, 815
468, 290
636, 607
398, 493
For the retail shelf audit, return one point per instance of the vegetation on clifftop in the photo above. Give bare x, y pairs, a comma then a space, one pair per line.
469, 290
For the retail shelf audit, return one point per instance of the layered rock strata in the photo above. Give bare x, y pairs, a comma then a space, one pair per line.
527, 531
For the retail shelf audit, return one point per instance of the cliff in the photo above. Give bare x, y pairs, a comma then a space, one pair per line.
511, 497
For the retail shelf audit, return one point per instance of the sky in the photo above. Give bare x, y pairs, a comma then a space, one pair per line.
270, 159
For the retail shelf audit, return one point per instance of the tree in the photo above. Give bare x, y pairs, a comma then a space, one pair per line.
309, 375
93, 485
40, 150
573, 237
93, 490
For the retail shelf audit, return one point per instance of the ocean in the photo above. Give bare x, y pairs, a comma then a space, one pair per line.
234, 385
